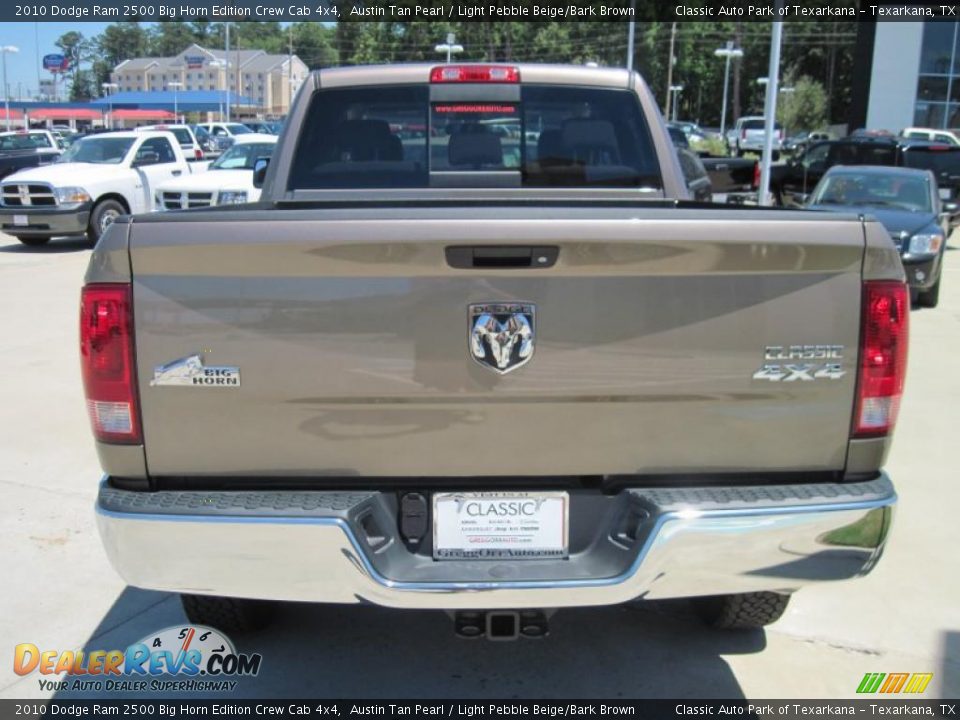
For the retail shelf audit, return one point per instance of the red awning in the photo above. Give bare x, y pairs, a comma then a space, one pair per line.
65, 114
143, 115
14, 113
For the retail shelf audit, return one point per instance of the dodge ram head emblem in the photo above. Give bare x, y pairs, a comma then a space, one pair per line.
502, 335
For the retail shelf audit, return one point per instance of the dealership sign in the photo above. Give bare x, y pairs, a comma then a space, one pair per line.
55, 62
194, 61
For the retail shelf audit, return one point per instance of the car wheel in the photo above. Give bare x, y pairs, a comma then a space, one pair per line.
931, 297
746, 611
226, 613
33, 241
103, 215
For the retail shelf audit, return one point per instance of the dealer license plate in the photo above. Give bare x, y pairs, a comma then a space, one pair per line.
21, 220
500, 525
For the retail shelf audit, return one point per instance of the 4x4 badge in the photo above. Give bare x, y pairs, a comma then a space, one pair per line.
502, 335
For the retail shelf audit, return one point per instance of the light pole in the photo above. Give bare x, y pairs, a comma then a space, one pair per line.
109, 88
450, 47
6, 92
218, 64
226, 72
176, 110
726, 52
675, 91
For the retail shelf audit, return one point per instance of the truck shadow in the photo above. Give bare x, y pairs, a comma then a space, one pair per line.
339, 651
57, 245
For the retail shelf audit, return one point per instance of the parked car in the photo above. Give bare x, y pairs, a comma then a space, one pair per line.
799, 142
226, 129
695, 175
192, 150
96, 180
25, 149
492, 384
792, 181
906, 201
932, 135
228, 180
212, 147
263, 127
750, 134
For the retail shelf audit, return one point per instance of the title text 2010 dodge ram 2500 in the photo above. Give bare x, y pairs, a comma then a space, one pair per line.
474, 351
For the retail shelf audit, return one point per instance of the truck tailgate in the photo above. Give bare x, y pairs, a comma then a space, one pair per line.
350, 331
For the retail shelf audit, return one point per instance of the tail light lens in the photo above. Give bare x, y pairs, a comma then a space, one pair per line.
756, 176
743, 134
106, 356
475, 74
197, 154
883, 357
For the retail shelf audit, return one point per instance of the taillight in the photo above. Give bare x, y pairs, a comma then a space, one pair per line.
475, 74
107, 363
756, 176
743, 134
883, 357
197, 154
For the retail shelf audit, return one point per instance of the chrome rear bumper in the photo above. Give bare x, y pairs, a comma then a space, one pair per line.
342, 547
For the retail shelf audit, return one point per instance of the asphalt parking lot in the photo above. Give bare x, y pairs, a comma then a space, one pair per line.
60, 593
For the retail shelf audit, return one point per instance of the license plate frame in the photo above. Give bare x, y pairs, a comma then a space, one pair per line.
21, 220
523, 525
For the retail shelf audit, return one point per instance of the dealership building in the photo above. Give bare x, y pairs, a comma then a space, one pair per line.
270, 81
914, 77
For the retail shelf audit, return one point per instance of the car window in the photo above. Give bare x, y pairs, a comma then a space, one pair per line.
23, 141
97, 150
242, 156
816, 155
218, 131
554, 136
160, 146
873, 189
940, 137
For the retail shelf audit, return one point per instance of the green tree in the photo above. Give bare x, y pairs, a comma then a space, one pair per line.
169, 38
314, 44
121, 41
805, 108
78, 50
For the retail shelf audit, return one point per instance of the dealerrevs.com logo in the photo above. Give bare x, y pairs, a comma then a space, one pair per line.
202, 658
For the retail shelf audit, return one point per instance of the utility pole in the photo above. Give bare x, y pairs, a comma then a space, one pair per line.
6, 88
673, 37
630, 35
770, 107
290, 71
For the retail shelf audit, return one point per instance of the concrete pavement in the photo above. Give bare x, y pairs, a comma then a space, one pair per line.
61, 593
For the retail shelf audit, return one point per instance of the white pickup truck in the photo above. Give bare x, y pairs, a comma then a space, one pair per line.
94, 182
228, 180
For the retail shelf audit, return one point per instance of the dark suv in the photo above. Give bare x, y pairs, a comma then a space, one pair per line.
793, 181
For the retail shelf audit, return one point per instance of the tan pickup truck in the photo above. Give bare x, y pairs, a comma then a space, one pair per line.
474, 350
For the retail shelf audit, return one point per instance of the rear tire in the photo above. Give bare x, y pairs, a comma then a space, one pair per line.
33, 241
746, 611
103, 215
931, 297
230, 615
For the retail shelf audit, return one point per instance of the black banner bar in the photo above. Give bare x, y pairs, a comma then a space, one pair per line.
470, 10
878, 706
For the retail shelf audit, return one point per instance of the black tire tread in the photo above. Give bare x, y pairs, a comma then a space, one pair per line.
225, 613
745, 611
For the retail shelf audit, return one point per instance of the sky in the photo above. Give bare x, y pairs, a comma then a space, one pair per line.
22, 67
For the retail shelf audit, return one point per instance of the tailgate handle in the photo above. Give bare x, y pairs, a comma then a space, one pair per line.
502, 256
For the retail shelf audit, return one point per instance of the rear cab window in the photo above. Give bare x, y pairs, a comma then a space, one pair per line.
402, 136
